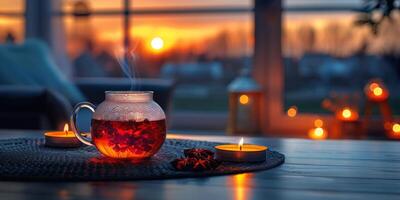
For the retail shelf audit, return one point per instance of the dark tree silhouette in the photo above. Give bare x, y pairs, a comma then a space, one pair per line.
374, 12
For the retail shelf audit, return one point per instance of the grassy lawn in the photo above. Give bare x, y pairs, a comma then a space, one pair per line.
219, 103
214, 103
314, 106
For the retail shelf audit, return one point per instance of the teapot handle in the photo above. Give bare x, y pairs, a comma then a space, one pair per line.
74, 115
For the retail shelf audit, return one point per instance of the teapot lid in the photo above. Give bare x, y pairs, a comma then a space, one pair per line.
129, 96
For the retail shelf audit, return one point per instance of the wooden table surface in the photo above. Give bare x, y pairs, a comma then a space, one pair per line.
313, 170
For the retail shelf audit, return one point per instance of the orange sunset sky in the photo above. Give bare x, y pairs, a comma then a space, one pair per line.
195, 31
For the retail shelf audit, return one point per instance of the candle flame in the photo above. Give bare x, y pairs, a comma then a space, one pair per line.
241, 143
66, 128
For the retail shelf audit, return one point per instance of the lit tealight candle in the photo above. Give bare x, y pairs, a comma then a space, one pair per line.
241, 152
63, 138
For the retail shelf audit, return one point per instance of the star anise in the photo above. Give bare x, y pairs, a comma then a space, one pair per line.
196, 160
201, 165
198, 153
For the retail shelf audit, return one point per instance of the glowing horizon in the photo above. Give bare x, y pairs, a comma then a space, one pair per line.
196, 32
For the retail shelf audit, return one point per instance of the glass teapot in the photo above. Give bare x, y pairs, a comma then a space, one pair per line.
126, 125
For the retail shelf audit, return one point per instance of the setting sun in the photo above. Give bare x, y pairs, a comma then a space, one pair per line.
157, 43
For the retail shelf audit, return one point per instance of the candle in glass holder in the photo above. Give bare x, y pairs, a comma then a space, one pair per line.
241, 152
63, 138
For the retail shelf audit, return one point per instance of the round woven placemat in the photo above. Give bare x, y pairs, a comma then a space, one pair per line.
28, 159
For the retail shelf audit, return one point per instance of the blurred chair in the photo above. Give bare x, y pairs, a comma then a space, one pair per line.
30, 81
32, 108
31, 64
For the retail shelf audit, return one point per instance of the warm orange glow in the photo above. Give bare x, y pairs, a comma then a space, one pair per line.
241, 141
157, 43
66, 133
372, 86
347, 114
317, 133
396, 128
393, 130
318, 123
244, 99
241, 147
240, 181
4, 22
378, 91
292, 111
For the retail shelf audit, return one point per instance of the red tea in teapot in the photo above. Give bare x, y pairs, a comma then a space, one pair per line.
128, 139
126, 125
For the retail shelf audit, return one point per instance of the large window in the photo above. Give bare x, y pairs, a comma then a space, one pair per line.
327, 55
307, 51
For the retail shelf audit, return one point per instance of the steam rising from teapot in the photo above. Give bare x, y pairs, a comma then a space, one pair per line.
127, 60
